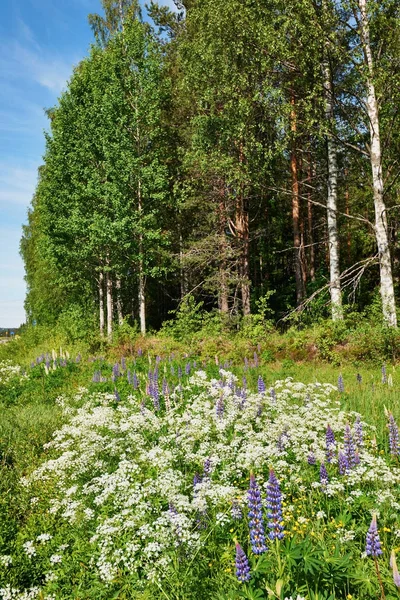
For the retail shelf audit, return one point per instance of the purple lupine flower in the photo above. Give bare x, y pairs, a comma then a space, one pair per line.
272, 394
207, 468
330, 444
155, 395
180, 372
340, 384
255, 359
129, 376
196, 480
135, 381
261, 385
220, 407
140, 352
343, 464
384, 374
274, 504
187, 368
115, 371
117, 396
393, 436
311, 458
393, 564
242, 564
323, 476
158, 359
165, 388
349, 447
96, 377
359, 378
236, 511
172, 370
246, 363
356, 458
358, 430
256, 526
373, 543
244, 382
123, 363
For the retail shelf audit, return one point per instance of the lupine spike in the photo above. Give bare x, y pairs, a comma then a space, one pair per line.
272, 394
393, 436
373, 543
274, 504
340, 384
311, 458
358, 430
220, 407
343, 464
242, 565
256, 526
261, 385
323, 476
330, 444
349, 447
384, 374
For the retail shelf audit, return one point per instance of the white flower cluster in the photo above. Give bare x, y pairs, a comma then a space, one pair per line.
8, 371
126, 473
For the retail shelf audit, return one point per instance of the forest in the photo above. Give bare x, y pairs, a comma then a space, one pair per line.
233, 153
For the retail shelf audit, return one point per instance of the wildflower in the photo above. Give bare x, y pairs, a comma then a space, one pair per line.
207, 467
373, 543
257, 535
242, 564
135, 381
180, 372
123, 363
340, 384
384, 374
187, 368
236, 511
219, 407
165, 389
274, 504
261, 385
393, 436
330, 444
255, 359
358, 430
343, 464
323, 476
349, 447
311, 458
393, 564
117, 396
272, 394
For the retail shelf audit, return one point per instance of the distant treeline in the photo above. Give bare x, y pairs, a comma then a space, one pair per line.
235, 150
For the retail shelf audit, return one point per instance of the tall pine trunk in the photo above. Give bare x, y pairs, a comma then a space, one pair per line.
331, 202
101, 303
298, 271
310, 231
381, 227
223, 284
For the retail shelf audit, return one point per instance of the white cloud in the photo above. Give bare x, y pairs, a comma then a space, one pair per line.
17, 185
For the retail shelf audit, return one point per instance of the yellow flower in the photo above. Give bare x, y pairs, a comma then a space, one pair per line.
349, 596
386, 529
231, 530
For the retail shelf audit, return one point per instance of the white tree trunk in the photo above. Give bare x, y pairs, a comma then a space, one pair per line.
110, 308
101, 303
381, 232
119, 302
142, 281
331, 203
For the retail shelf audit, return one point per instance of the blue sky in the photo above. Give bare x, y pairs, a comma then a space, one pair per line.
40, 42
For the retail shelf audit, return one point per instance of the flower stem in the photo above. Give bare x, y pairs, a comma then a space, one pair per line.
378, 574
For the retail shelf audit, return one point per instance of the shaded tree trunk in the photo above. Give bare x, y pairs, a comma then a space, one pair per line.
381, 227
300, 291
310, 231
223, 284
119, 301
142, 279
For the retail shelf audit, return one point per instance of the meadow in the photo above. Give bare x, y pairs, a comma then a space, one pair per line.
143, 475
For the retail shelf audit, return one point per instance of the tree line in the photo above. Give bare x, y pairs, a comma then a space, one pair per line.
231, 149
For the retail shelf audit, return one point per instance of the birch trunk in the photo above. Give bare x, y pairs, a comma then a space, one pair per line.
110, 307
101, 303
142, 280
331, 202
381, 228
298, 272
119, 302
